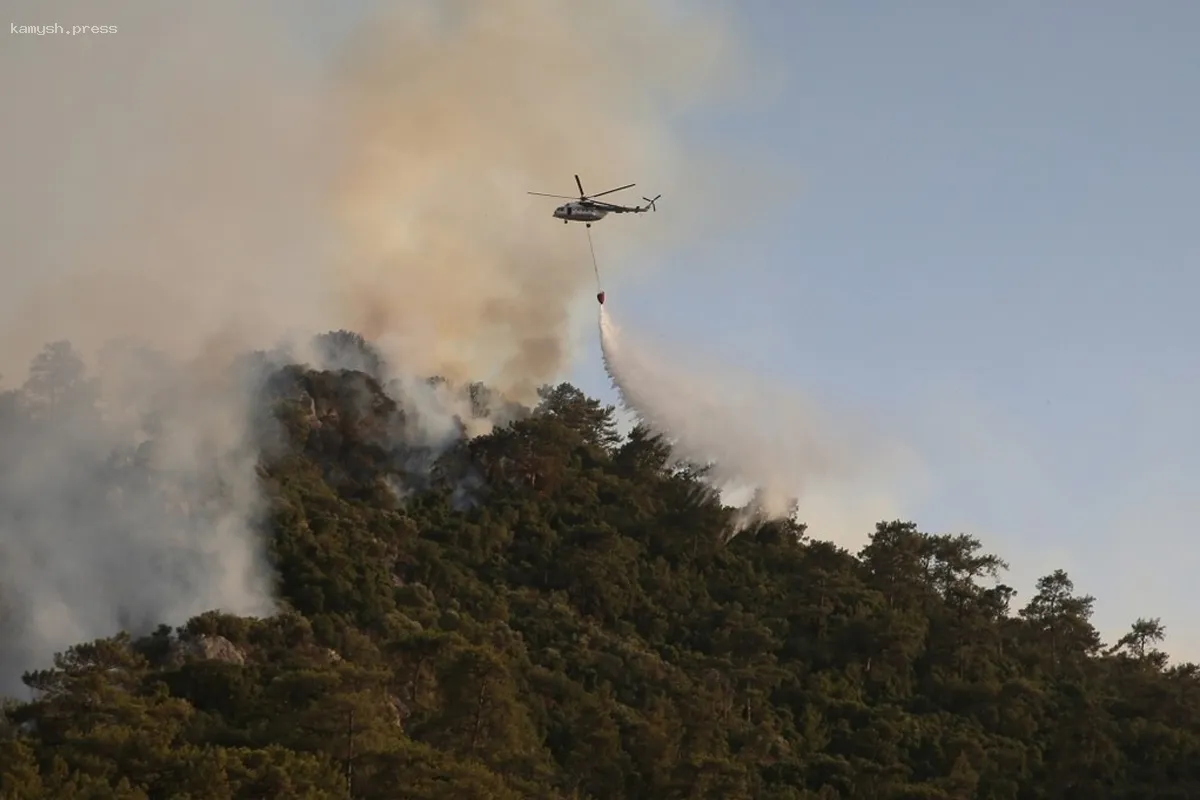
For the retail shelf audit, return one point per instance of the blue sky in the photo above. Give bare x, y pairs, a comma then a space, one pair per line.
993, 247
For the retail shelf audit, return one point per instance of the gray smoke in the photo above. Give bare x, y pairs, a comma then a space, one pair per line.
127, 498
202, 182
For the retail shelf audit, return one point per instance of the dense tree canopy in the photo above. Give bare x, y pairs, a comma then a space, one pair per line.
555, 611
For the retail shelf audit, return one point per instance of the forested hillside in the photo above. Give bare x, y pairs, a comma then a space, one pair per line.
554, 611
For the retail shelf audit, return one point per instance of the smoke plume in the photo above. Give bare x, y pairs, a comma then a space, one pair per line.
446, 249
790, 456
216, 177
126, 500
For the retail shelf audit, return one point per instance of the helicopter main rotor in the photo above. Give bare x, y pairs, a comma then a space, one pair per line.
583, 196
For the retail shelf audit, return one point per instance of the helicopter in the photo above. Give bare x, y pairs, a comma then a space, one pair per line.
588, 210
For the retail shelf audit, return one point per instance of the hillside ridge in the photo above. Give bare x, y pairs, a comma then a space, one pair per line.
553, 610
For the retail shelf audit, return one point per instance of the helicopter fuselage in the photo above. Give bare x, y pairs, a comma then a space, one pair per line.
577, 212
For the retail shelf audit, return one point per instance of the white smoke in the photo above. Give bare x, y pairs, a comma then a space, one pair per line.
790, 457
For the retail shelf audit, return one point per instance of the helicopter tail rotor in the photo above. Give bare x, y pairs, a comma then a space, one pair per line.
650, 203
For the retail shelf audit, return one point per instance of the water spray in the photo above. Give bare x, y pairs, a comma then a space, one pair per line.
766, 449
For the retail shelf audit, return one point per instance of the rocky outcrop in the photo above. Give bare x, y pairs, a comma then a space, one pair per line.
206, 648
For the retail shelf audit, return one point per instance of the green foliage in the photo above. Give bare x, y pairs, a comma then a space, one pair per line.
551, 610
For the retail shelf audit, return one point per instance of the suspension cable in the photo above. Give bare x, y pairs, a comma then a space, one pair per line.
595, 265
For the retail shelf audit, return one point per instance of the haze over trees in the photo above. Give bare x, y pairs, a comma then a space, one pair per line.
553, 610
